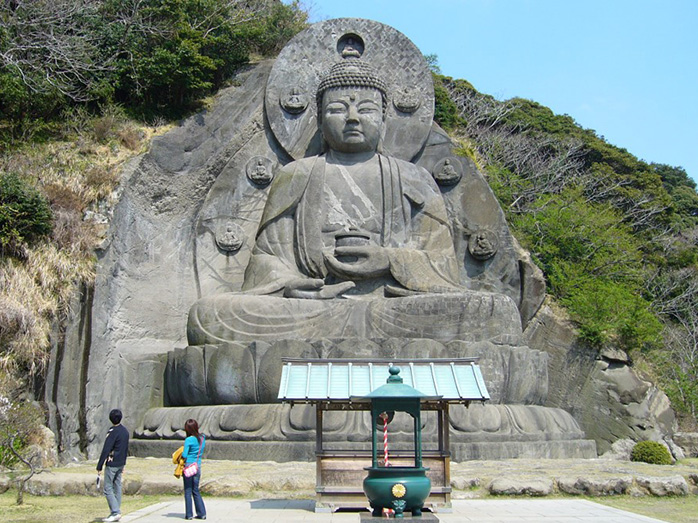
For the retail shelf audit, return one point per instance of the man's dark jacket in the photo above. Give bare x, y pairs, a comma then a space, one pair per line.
115, 448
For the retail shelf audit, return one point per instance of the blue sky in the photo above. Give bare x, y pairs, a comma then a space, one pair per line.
627, 69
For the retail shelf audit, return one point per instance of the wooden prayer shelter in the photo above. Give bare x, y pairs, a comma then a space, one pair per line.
335, 384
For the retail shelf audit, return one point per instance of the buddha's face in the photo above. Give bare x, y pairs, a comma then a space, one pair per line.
352, 119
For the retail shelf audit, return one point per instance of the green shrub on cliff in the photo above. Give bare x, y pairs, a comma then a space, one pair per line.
651, 452
24, 214
446, 112
594, 266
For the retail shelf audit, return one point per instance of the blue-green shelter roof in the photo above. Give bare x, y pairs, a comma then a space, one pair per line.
315, 380
395, 389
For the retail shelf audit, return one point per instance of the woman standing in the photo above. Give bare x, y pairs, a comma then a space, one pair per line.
193, 449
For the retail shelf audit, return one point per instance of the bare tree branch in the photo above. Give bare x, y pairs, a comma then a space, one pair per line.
50, 42
22, 483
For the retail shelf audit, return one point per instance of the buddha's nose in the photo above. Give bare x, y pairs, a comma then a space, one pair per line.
353, 114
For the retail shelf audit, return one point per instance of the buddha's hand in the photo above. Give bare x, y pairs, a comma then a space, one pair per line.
315, 289
372, 261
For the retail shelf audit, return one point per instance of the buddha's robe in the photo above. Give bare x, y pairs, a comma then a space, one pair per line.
419, 298
300, 222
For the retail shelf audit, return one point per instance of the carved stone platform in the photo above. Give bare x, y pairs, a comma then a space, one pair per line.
235, 375
250, 372
283, 451
284, 433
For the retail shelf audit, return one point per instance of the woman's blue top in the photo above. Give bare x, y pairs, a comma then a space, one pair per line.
191, 449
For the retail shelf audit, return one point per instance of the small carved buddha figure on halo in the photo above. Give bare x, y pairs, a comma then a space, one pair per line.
352, 242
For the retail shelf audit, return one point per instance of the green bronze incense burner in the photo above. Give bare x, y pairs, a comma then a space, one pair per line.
398, 488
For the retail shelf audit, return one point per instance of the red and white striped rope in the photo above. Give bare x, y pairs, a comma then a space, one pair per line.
386, 463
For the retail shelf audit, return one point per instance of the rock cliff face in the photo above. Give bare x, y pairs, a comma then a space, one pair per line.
168, 247
601, 390
113, 351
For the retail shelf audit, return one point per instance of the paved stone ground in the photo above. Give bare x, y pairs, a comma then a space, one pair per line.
484, 511
283, 492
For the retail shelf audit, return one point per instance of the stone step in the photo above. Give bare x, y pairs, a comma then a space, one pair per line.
283, 451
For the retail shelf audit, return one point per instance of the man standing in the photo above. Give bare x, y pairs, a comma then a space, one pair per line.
114, 454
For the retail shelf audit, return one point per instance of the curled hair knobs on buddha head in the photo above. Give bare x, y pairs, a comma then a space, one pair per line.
351, 71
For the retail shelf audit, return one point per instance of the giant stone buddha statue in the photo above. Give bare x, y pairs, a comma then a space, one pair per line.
350, 227
352, 242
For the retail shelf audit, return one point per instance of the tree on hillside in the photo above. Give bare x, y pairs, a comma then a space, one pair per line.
617, 237
149, 55
51, 45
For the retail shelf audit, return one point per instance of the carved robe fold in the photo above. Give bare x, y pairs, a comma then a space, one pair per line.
411, 222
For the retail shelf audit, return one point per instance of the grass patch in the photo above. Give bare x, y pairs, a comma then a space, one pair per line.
77, 172
68, 509
676, 509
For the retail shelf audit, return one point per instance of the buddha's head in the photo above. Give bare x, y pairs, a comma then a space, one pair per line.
352, 103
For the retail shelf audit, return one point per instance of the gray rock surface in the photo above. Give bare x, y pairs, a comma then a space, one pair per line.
667, 486
114, 347
5, 484
41, 449
688, 441
171, 241
66, 377
488, 423
607, 396
308, 56
521, 487
595, 486
465, 483
675, 450
355, 218
620, 450
532, 285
